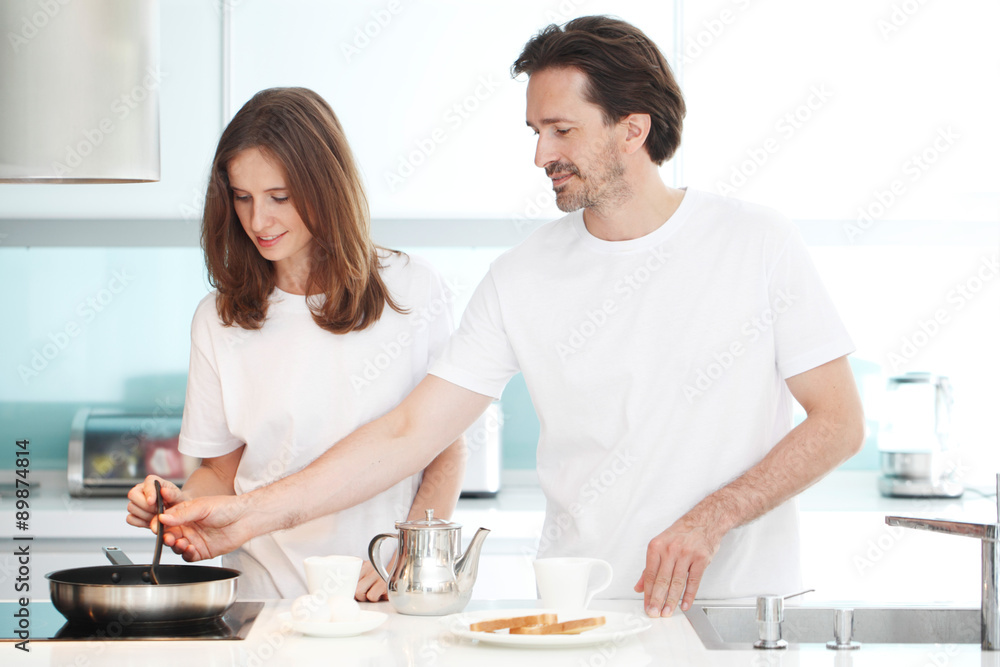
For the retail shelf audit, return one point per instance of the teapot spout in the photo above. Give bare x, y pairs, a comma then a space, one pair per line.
467, 566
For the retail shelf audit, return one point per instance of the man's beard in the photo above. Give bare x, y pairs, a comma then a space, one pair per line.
597, 191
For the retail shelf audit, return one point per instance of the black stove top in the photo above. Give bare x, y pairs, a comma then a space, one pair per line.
47, 624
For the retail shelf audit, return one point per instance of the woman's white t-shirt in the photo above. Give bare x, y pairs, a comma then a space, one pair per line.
291, 390
657, 367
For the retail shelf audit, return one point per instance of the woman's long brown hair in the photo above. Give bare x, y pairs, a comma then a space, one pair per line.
298, 129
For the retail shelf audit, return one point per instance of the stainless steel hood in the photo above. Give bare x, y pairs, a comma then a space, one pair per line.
79, 91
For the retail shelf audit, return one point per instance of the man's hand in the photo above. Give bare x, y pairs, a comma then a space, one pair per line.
142, 501
371, 588
675, 562
206, 527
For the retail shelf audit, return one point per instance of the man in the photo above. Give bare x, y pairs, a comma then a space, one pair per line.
662, 334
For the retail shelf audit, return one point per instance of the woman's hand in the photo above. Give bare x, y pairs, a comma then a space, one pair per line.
142, 501
371, 587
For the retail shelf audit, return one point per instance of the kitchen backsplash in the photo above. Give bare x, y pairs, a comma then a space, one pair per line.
109, 327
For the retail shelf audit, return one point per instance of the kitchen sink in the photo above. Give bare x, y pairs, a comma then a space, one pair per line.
722, 627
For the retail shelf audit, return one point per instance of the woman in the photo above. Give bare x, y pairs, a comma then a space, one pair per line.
311, 331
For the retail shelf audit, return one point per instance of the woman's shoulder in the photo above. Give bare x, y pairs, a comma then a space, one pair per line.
206, 316
403, 266
206, 308
411, 279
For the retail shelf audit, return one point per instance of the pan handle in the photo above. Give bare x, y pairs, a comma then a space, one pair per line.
117, 556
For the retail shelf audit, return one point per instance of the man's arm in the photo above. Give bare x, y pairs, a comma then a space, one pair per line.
360, 466
832, 432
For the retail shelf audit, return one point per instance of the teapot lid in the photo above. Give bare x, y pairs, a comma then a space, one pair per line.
428, 522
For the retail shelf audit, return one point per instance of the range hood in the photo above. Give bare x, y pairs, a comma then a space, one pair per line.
79, 91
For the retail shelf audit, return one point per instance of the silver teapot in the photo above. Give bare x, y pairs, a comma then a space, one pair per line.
431, 575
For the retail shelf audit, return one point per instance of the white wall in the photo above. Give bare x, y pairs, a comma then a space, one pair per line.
423, 90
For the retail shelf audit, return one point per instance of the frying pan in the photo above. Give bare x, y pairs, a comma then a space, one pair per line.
124, 593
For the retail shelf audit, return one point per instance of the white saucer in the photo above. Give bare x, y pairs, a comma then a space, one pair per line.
369, 620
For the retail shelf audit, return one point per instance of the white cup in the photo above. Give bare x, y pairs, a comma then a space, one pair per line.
564, 583
335, 576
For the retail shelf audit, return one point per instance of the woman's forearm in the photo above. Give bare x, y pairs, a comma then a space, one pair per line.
442, 483
214, 477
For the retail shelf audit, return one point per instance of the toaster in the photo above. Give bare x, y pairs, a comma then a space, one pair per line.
111, 451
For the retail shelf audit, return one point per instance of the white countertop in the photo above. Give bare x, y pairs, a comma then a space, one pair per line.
426, 642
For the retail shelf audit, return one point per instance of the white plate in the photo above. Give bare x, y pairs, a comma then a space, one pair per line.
618, 626
369, 620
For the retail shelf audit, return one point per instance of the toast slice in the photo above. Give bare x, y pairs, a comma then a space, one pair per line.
513, 622
566, 628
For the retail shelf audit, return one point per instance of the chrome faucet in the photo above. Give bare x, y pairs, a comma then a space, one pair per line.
988, 533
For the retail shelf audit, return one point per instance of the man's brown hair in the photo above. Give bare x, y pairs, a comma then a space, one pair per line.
625, 70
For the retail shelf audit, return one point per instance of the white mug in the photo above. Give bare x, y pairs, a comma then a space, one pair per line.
564, 583
335, 576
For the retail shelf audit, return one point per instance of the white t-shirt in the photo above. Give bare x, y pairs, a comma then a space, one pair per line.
290, 390
657, 368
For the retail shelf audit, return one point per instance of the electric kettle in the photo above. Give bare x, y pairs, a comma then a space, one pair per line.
914, 438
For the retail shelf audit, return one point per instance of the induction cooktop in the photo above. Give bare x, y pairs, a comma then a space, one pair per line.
47, 624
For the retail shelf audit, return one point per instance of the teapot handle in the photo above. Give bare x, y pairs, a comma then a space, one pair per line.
375, 557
